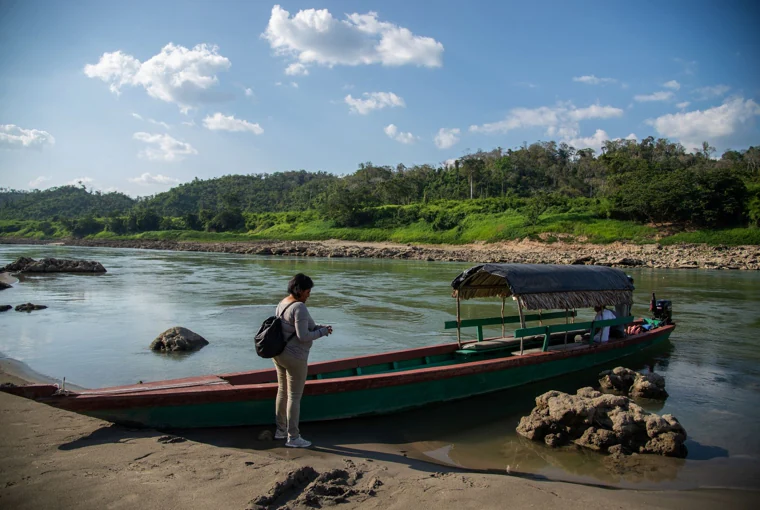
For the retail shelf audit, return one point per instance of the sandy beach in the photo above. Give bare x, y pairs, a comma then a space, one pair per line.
55, 459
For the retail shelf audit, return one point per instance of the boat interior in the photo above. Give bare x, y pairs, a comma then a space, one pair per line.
558, 336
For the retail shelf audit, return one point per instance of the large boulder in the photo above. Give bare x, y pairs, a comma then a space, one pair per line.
4, 286
5, 308
602, 422
178, 339
51, 265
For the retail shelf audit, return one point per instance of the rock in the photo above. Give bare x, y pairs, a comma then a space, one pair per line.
5, 308
602, 422
649, 386
266, 435
588, 392
617, 450
28, 307
51, 265
597, 439
4, 286
669, 444
178, 339
617, 379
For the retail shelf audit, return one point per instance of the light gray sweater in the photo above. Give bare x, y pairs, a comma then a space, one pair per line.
297, 319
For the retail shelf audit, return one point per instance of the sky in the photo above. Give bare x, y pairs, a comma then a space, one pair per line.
139, 96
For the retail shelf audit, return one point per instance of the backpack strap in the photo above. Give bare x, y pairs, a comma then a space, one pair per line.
286, 308
283, 313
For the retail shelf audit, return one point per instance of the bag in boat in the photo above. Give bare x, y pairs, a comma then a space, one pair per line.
270, 341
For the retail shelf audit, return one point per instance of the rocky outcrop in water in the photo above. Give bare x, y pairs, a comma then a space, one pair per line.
4, 286
178, 339
602, 422
51, 265
636, 385
29, 307
683, 256
5, 308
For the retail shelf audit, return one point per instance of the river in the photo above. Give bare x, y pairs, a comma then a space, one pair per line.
97, 330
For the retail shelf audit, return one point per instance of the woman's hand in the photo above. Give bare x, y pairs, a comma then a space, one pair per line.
329, 330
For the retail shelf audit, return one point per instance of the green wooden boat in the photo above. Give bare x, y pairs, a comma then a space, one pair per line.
394, 381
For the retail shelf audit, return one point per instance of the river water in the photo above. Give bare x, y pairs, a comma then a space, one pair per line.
97, 330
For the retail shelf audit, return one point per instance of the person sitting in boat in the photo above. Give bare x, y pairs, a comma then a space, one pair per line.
603, 314
292, 363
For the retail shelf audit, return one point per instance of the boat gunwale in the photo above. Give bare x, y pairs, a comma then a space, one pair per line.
219, 393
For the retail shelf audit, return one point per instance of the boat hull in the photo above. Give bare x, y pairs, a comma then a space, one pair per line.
359, 396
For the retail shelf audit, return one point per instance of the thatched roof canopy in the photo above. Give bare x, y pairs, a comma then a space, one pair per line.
546, 286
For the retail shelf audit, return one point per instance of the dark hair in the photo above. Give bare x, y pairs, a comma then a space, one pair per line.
298, 284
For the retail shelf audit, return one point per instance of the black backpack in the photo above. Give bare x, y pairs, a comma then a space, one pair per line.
270, 341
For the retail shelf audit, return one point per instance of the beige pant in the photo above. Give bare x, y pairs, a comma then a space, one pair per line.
291, 378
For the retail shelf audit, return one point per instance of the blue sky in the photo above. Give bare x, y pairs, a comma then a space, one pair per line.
139, 96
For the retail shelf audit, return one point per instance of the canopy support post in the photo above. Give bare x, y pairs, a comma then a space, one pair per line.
522, 323
503, 299
566, 322
459, 322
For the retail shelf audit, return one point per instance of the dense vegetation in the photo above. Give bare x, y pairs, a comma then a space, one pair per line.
633, 190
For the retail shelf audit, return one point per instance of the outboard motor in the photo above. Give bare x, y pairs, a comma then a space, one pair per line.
662, 309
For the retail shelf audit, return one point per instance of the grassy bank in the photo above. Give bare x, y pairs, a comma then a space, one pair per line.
479, 227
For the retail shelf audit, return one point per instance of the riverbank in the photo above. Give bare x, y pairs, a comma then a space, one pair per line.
684, 256
55, 459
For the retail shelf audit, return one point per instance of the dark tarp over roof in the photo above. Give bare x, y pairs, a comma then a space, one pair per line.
546, 286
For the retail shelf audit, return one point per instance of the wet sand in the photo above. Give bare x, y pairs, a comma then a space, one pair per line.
55, 459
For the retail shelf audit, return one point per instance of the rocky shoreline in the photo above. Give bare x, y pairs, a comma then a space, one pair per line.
684, 256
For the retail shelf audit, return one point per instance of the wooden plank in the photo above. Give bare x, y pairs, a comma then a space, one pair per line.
535, 331
513, 319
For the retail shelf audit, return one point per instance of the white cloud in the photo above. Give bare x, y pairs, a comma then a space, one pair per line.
219, 122
693, 128
248, 92
373, 101
163, 147
152, 121
657, 96
294, 84
315, 37
710, 92
672, 84
147, 179
683, 105
593, 80
159, 123
38, 181
449, 163
446, 138
296, 69
176, 75
559, 121
191, 123
595, 141
15, 137
392, 131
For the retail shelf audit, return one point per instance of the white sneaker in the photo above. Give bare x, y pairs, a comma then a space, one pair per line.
298, 442
280, 435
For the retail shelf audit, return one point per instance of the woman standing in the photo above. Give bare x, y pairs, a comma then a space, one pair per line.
292, 363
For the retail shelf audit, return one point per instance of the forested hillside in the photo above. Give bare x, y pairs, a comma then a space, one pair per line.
61, 202
652, 182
